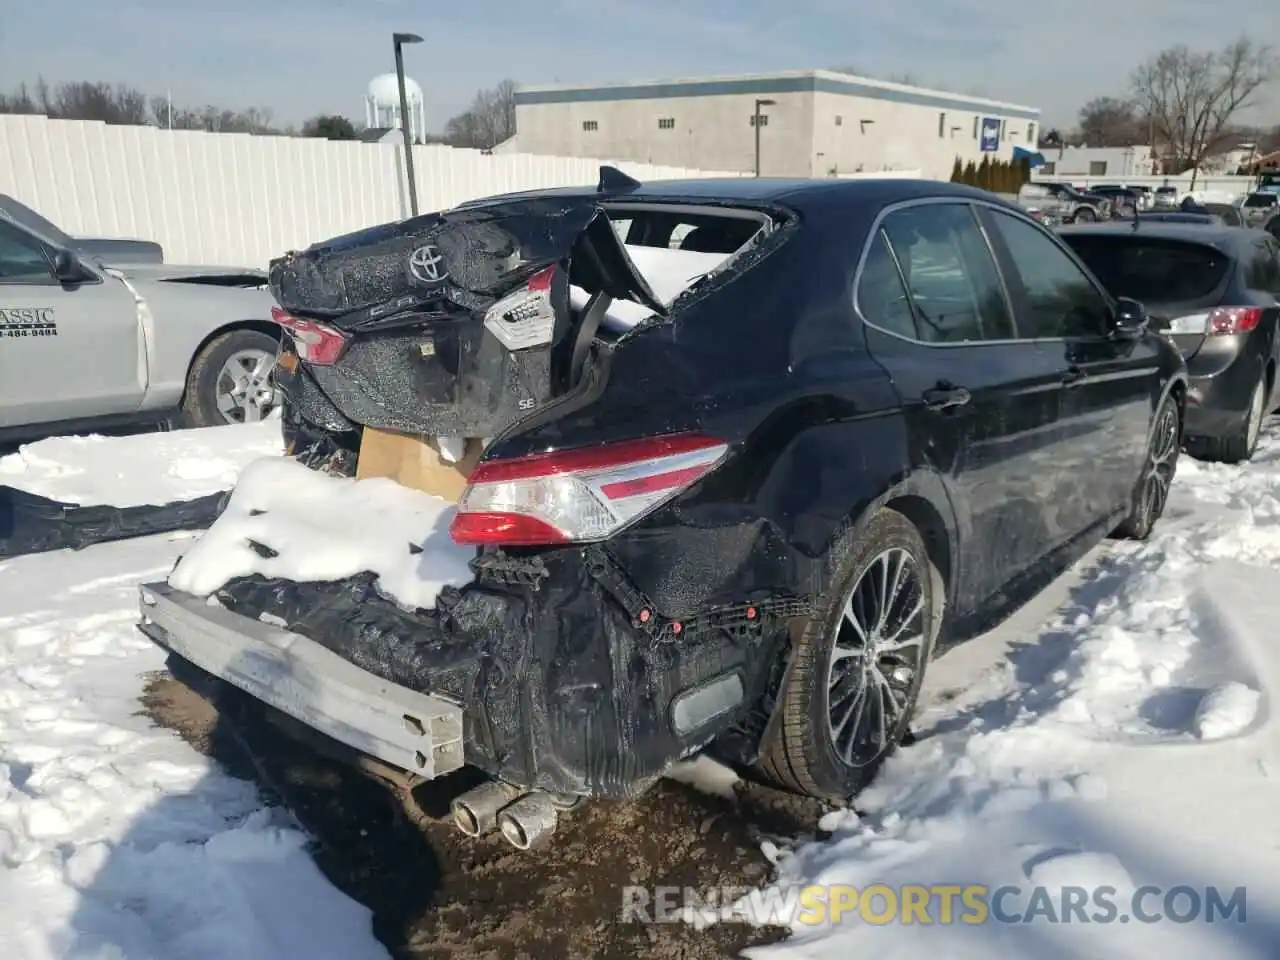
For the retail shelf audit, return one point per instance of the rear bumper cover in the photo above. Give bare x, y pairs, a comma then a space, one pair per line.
1220, 385
299, 677
554, 674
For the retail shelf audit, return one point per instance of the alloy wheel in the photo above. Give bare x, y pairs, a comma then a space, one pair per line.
246, 390
1254, 428
875, 657
1161, 462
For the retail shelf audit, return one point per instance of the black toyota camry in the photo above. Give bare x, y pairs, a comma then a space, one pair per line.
760, 449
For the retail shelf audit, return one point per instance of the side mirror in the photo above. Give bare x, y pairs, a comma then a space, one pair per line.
66, 268
1130, 321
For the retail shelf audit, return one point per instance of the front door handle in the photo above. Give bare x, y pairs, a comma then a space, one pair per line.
946, 397
1072, 376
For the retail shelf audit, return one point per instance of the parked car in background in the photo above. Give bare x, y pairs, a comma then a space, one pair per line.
1165, 198
1076, 205
1054, 203
1125, 201
113, 250
1215, 292
1258, 208
685, 466
88, 341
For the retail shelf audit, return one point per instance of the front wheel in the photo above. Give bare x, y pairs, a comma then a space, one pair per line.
858, 666
1151, 492
232, 380
1084, 215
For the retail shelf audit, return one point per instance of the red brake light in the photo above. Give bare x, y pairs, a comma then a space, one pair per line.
316, 343
1227, 320
579, 495
1218, 322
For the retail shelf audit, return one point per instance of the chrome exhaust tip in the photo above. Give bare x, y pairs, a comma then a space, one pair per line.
529, 821
476, 811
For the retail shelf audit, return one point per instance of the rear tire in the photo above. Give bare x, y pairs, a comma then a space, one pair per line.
1240, 446
1151, 492
214, 398
833, 730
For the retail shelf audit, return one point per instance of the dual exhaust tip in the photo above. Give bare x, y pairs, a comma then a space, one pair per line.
525, 818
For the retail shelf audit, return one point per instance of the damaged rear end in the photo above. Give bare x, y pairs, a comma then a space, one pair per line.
609, 621
453, 324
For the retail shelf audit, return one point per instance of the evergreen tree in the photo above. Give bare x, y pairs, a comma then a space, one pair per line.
970, 174
957, 171
984, 173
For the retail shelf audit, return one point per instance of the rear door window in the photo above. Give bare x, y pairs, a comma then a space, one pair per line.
1152, 270
955, 288
1059, 299
882, 296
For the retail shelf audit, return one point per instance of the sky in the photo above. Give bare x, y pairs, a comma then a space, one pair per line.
300, 58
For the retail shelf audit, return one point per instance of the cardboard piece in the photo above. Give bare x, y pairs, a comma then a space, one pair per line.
414, 461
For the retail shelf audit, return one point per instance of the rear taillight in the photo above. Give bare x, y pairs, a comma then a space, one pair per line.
1219, 322
579, 495
527, 317
316, 344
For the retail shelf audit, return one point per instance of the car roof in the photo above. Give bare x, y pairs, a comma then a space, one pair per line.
1220, 236
800, 193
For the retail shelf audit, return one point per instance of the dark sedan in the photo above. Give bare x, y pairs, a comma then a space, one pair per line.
868, 418
1215, 292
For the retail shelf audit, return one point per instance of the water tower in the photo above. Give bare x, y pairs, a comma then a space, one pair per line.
382, 105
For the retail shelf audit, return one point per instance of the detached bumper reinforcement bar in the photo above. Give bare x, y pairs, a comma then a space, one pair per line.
409, 730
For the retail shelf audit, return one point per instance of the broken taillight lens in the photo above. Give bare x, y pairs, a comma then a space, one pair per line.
315, 343
527, 317
579, 495
1219, 322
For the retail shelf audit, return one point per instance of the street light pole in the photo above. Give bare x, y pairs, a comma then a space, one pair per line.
398, 40
756, 122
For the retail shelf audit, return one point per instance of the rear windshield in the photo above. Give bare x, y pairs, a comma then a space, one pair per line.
1261, 200
1152, 270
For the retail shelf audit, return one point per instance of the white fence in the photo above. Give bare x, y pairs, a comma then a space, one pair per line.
226, 198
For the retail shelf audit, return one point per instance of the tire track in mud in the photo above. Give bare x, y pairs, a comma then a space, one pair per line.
438, 895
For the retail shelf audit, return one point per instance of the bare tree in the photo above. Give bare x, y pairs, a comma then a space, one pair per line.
1111, 122
1191, 96
489, 120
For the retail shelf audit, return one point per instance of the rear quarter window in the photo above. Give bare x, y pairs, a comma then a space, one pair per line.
1152, 270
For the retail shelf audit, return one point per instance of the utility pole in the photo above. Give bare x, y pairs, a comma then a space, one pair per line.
756, 122
398, 40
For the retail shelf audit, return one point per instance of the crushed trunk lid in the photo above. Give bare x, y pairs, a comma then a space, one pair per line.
467, 258
458, 324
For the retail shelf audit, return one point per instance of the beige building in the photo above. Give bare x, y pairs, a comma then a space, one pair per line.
813, 123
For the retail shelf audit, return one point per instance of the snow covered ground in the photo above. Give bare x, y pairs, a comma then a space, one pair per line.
1120, 731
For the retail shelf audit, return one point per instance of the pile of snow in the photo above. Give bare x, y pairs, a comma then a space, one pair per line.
139, 470
117, 840
1128, 740
317, 527
669, 273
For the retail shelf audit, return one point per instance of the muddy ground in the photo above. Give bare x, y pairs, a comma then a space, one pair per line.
438, 895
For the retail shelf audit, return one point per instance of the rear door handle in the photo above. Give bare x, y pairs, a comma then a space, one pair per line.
946, 397
1072, 376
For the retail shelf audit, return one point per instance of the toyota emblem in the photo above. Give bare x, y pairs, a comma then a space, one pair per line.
426, 264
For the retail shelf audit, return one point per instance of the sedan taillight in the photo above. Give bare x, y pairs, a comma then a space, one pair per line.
579, 495
315, 343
